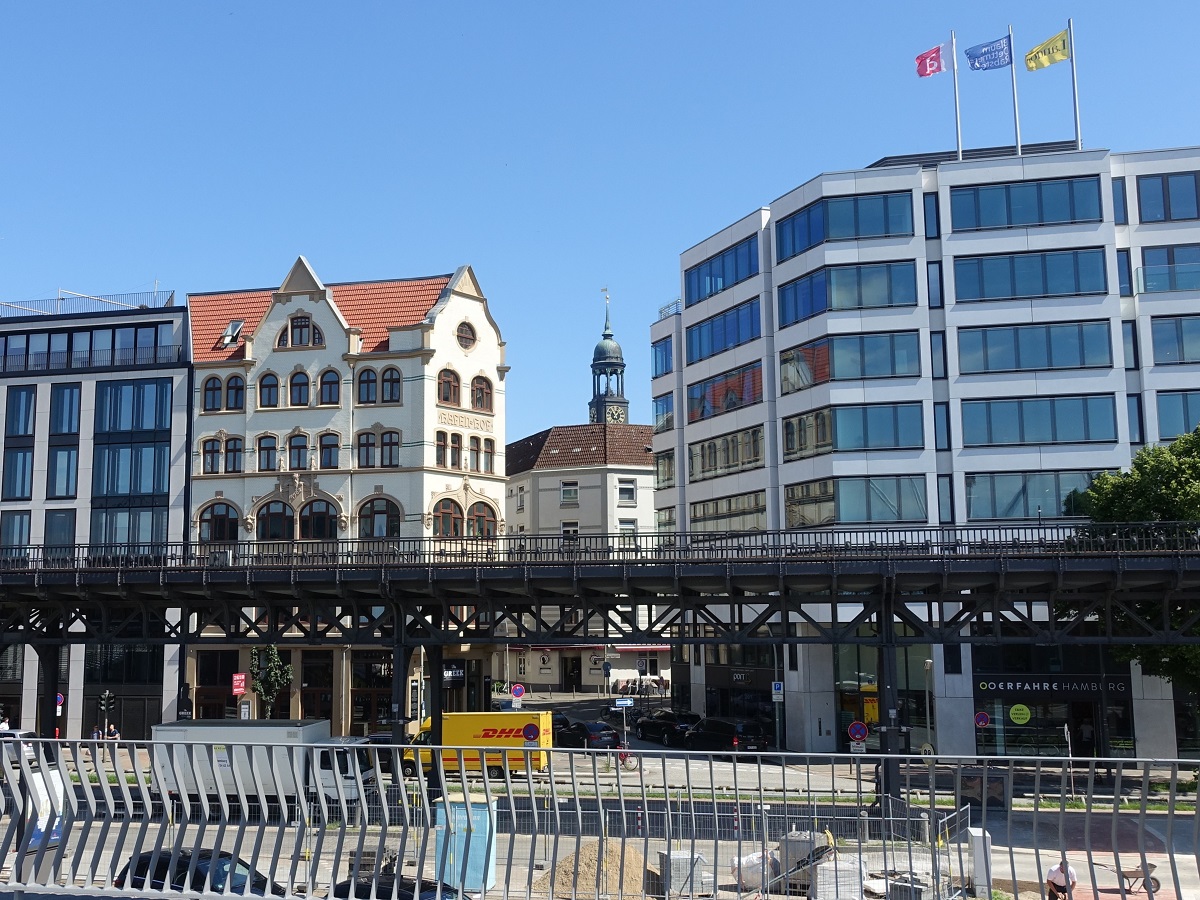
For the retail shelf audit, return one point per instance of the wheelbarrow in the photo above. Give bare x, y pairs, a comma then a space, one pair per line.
1135, 880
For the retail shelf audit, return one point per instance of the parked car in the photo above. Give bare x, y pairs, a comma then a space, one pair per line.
721, 735
386, 886
224, 867
667, 726
382, 742
558, 722
590, 736
16, 740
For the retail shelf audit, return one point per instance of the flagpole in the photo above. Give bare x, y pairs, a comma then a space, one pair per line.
1074, 82
957, 116
1012, 65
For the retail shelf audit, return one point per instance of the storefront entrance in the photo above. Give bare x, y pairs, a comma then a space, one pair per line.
1047, 716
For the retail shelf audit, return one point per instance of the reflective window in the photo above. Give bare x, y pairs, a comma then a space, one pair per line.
1059, 273
268, 391
298, 452
1025, 495
741, 512
331, 388
465, 335
210, 456
664, 469
1028, 347
298, 386
848, 287
389, 454
366, 450
218, 524
235, 392
729, 329
1039, 420
448, 387
129, 469
1173, 268
879, 426
481, 394
932, 216
474, 448
391, 386
878, 499
1024, 203
724, 270
933, 280
1175, 339
722, 455
368, 384
853, 357
845, 219
318, 521
442, 446
379, 518
664, 413
1133, 404
456, 448
660, 357
212, 394
1178, 413
276, 521
18, 421
1167, 198
14, 531
141, 405
1130, 347
328, 451
447, 519
941, 426
726, 392
233, 455
481, 521
489, 456
268, 454
1124, 274
62, 466
1120, 203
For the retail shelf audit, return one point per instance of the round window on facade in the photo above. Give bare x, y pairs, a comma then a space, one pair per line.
466, 335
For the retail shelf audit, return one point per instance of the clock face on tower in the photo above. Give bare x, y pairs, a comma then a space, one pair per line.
616, 414
592, 414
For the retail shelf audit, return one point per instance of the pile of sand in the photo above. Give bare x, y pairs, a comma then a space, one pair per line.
620, 870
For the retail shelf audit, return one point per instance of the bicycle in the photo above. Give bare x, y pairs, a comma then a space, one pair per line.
628, 760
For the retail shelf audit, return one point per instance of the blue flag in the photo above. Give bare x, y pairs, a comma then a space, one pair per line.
992, 55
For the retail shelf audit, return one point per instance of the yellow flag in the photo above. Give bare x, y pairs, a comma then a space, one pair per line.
1054, 50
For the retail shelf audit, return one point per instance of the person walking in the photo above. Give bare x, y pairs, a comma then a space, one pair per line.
1061, 881
97, 734
113, 734
4, 726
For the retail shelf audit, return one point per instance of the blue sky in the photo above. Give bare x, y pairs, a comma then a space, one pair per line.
559, 148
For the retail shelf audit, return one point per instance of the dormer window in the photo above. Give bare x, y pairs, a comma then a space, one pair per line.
232, 332
300, 332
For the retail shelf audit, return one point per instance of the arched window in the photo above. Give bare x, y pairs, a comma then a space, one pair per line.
368, 385
301, 331
448, 387
389, 453
447, 519
481, 521
391, 385
379, 518
299, 390
481, 394
268, 391
282, 340
443, 441
366, 450
489, 456
465, 335
298, 452
233, 455
328, 451
210, 454
456, 451
268, 454
473, 446
276, 522
218, 523
331, 388
212, 394
235, 392
318, 521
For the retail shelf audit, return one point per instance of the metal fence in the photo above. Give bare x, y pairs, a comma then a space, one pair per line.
128, 817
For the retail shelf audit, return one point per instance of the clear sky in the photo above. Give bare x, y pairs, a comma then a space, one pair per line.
559, 148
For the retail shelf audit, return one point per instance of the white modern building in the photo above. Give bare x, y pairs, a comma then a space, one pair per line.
935, 341
95, 423
597, 481
360, 410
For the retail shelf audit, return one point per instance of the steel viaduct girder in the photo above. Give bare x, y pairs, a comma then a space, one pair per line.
1098, 598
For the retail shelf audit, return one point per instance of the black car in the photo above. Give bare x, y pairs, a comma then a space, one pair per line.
667, 726
387, 886
214, 868
590, 736
382, 742
721, 735
558, 722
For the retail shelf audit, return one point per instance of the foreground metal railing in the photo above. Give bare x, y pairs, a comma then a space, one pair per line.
128, 817
501, 550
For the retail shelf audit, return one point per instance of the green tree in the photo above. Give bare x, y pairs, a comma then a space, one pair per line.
1162, 484
269, 676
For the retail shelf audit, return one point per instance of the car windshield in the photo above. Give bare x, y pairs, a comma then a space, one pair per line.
751, 728
236, 872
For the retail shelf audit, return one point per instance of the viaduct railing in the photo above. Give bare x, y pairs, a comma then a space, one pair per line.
123, 818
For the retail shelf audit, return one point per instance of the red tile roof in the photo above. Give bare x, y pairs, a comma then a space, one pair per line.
568, 446
373, 306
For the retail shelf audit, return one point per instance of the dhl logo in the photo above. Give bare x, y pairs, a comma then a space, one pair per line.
489, 733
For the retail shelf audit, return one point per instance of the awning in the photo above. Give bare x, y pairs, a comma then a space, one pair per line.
642, 648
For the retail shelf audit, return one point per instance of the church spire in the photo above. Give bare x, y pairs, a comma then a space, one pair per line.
608, 403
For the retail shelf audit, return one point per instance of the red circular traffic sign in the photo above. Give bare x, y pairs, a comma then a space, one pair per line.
857, 731
531, 732
982, 720
518, 691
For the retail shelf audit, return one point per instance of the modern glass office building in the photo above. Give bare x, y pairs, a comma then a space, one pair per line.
935, 341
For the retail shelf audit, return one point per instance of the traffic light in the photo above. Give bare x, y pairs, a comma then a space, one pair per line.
107, 702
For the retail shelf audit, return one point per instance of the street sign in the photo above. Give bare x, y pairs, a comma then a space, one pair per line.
623, 701
777, 691
58, 698
531, 732
239, 683
641, 665
858, 747
607, 669
982, 720
857, 732
518, 691
927, 749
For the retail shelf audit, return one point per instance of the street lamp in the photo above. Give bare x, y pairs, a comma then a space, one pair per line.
928, 720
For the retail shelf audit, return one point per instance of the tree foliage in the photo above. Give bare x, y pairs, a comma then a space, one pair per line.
269, 676
1162, 484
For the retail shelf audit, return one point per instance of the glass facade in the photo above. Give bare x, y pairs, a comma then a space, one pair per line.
741, 512
719, 272
1053, 202
726, 454
844, 219
850, 357
731, 328
880, 499
1039, 420
725, 392
869, 286
1025, 495
1018, 276
878, 426
1004, 348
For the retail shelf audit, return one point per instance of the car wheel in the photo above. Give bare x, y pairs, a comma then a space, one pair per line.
495, 772
409, 769
666, 741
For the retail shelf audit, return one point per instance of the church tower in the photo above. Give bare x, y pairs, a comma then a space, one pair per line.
608, 403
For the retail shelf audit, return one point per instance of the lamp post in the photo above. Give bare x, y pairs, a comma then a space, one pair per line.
928, 719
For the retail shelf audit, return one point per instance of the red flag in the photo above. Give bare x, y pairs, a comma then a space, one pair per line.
930, 62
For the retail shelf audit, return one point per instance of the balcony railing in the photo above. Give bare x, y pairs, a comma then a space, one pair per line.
1163, 279
503, 550
65, 360
82, 304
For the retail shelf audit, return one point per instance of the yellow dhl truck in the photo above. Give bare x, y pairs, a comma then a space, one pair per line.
517, 740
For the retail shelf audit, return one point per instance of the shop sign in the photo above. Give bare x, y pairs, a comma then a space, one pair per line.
1019, 714
741, 676
1050, 686
453, 674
